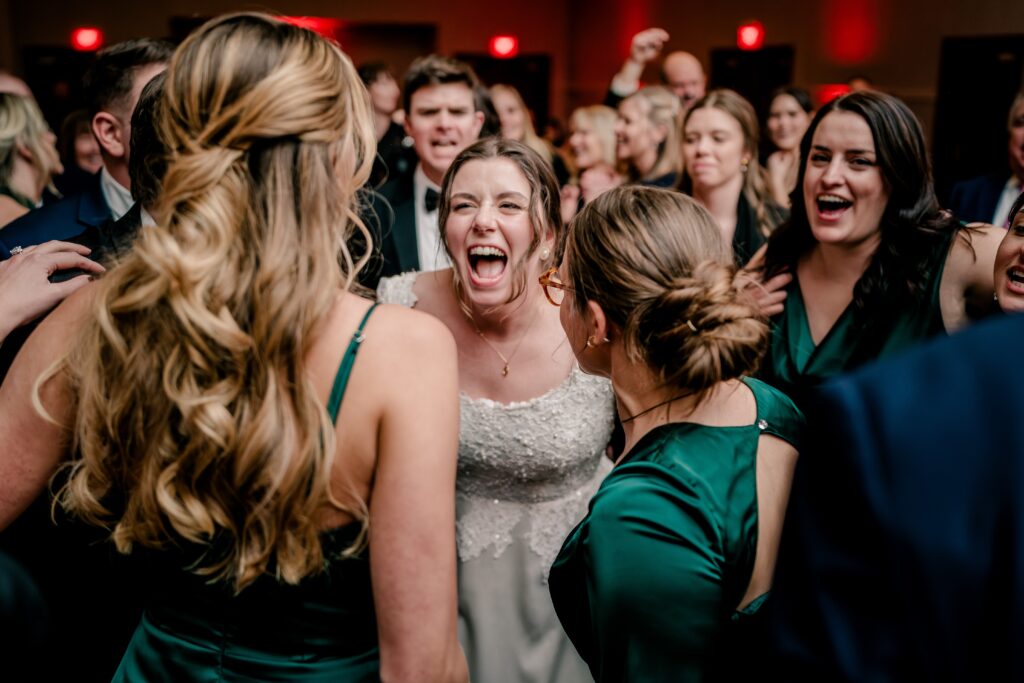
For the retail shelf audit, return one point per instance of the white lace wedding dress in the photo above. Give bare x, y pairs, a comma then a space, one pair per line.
526, 472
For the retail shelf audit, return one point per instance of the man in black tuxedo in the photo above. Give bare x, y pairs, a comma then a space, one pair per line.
902, 558
442, 118
112, 85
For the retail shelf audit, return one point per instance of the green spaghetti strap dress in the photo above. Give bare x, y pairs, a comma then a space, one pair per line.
647, 585
323, 629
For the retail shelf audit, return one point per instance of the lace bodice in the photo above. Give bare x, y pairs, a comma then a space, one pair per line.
539, 460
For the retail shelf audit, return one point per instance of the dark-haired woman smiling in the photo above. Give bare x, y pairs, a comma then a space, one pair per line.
877, 265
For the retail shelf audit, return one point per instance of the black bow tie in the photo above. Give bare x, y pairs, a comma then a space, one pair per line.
431, 199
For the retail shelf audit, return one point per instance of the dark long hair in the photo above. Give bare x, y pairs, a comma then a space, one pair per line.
913, 225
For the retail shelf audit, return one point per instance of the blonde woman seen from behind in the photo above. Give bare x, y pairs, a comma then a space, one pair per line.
297, 505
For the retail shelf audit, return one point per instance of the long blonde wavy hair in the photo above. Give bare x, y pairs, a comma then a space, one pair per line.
196, 419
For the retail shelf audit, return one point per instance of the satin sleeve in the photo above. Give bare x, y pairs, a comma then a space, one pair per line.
654, 572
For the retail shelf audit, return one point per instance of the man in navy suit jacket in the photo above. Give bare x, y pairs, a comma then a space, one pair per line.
112, 86
902, 558
988, 198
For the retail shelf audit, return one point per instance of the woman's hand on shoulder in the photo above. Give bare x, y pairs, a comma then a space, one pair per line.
25, 288
770, 294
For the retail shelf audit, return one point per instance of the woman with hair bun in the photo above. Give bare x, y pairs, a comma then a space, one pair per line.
295, 504
680, 541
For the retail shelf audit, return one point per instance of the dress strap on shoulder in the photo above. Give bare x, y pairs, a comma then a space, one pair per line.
345, 369
776, 413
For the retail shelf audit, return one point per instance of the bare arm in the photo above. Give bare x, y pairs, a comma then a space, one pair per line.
34, 446
412, 509
645, 47
967, 281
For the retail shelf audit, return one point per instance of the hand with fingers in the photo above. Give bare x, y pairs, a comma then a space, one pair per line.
770, 294
647, 45
25, 288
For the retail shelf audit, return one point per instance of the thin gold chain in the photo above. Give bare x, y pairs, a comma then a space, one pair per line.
506, 360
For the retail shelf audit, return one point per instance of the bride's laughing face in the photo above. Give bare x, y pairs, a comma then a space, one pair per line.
490, 230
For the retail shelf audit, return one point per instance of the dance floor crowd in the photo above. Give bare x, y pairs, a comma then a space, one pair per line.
310, 372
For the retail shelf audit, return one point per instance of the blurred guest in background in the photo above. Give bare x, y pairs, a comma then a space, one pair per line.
681, 72
393, 157
112, 86
79, 152
28, 157
647, 135
987, 199
789, 114
517, 124
592, 144
720, 145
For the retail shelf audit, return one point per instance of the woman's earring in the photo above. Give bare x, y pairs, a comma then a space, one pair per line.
544, 254
744, 164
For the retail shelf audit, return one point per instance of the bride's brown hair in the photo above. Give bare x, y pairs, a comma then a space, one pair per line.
196, 419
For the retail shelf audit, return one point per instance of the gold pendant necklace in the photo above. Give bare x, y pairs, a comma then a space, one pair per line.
506, 360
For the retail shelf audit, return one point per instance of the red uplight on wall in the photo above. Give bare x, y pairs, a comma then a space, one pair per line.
325, 26
750, 36
504, 47
829, 91
87, 39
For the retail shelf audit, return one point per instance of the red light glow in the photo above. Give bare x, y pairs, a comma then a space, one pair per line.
87, 39
504, 47
750, 36
852, 29
325, 26
829, 91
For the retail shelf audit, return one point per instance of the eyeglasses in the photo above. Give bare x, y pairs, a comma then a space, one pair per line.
554, 288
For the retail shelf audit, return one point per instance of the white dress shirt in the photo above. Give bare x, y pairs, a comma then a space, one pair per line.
1011, 191
428, 237
118, 198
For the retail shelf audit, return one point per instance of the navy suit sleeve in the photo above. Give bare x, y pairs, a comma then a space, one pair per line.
898, 555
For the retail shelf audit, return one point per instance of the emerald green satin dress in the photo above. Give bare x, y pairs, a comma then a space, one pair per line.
647, 585
795, 364
323, 629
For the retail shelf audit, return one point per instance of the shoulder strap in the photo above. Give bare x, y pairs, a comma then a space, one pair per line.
345, 369
776, 413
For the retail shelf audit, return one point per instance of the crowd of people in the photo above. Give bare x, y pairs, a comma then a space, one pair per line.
315, 373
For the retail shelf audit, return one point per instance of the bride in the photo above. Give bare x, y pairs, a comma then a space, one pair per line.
534, 428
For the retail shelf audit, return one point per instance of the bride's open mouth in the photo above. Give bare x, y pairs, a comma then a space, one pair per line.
486, 264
